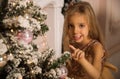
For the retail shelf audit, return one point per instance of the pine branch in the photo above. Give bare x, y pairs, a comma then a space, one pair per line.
60, 60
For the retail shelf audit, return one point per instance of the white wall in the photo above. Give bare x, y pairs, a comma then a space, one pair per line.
54, 21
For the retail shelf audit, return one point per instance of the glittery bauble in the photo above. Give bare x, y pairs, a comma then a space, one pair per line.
25, 36
64, 72
3, 60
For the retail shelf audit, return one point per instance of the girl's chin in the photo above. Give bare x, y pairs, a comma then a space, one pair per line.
78, 41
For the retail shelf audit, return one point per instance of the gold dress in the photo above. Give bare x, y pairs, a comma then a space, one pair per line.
76, 71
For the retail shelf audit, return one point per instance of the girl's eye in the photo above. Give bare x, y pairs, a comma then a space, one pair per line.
70, 26
81, 25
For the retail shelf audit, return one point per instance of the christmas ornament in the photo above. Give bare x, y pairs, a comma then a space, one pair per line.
3, 47
3, 60
25, 37
42, 43
64, 72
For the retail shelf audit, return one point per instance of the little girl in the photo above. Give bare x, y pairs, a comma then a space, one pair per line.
83, 39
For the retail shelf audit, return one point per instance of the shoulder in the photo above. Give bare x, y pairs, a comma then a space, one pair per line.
98, 48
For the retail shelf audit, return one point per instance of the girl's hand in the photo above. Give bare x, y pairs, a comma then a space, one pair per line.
77, 54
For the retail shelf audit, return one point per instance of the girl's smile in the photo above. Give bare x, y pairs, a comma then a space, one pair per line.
77, 37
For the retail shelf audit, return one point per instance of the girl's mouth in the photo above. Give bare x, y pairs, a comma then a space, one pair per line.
77, 37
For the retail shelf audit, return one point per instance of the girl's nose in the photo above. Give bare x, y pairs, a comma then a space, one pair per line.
76, 30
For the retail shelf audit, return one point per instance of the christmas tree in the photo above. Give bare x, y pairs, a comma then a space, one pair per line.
21, 22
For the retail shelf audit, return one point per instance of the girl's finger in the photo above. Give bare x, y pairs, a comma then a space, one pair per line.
74, 54
72, 47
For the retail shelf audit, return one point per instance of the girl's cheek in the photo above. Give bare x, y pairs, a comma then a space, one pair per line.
70, 35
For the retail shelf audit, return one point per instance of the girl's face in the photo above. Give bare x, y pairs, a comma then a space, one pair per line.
78, 28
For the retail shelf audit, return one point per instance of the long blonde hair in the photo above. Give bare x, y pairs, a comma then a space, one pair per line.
83, 8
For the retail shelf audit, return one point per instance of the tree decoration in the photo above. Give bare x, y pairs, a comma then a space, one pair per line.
21, 22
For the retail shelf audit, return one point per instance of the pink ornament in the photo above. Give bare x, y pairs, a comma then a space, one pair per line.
64, 72
25, 36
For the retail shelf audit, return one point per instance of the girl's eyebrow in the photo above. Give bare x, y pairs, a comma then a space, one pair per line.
81, 23
70, 23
